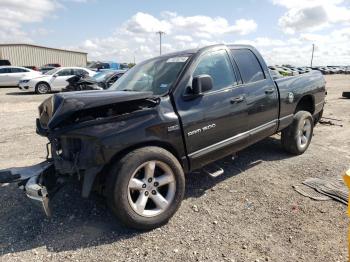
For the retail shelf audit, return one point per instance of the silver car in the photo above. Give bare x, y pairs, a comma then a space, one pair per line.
10, 75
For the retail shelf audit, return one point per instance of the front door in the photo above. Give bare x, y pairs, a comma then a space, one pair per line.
214, 122
59, 80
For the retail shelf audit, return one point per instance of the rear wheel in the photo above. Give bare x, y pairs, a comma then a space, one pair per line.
146, 187
42, 88
297, 137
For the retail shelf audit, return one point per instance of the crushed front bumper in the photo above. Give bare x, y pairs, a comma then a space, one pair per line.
34, 180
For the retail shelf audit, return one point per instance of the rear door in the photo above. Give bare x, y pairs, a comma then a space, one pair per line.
16, 75
213, 123
59, 80
262, 94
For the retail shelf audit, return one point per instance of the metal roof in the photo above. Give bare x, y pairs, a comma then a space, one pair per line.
17, 44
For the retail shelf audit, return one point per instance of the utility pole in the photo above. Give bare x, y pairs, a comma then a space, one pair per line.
312, 55
161, 33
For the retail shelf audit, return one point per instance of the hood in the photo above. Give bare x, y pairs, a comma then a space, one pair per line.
62, 106
39, 76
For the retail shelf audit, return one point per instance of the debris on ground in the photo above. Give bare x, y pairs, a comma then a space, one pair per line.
322, 189
329, 122
346, 94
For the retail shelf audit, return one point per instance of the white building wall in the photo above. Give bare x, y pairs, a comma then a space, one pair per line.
28, 55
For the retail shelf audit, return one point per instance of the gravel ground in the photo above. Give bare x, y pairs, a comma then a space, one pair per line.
251, 213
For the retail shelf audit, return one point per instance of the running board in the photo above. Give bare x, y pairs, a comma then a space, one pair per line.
213, 170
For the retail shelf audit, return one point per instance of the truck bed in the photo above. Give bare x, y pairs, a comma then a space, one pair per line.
293, 88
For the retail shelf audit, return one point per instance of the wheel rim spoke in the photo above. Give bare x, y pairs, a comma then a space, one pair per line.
144, 186
141, 202
300, 140
149, 169
164, 179
135, 184
304, 133
303, 139
306, 127
159, 200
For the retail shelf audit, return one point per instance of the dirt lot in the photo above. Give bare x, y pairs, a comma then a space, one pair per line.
251, 213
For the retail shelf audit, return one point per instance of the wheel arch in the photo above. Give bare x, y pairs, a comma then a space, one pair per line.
165, 145
102, 175
306, 103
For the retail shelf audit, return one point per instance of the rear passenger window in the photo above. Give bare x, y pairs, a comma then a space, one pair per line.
18, 70
248, 65
218, 65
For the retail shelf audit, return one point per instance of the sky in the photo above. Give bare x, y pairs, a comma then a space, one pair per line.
282, 30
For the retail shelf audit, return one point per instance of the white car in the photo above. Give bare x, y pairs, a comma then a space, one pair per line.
11, 75
53, 80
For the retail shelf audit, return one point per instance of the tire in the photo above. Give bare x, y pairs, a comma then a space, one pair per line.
346, 94
127, 185
296, 138
42, 88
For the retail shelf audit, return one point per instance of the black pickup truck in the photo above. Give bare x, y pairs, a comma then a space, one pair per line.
165, 117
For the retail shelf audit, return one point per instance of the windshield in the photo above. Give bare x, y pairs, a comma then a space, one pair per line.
52, 72
99, 77
155, 75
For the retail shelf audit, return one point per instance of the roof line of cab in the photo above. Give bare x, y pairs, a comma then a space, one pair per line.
205, 48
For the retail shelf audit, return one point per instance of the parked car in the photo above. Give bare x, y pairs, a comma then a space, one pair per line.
275, 74
53, 80
4, 62
107, 78
100, 66
100, 81
52, 65
165, 117
11, 75
284, 72
45, 69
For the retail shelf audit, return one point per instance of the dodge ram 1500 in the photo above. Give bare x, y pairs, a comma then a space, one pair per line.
165, 117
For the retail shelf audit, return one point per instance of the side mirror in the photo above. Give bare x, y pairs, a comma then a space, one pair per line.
201, 84
55, 75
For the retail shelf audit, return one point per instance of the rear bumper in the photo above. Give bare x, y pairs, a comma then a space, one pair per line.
34, 180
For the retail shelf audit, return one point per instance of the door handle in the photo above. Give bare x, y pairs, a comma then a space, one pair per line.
269, 91
237, 99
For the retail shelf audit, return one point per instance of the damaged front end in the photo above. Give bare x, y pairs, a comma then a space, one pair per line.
36, 181
75, 125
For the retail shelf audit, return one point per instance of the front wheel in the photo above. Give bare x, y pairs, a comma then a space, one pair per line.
42, 88
296, 138
145, 188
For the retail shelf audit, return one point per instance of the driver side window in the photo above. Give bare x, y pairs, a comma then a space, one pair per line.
217, 64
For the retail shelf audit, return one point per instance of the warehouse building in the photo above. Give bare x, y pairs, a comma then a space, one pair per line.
34, 55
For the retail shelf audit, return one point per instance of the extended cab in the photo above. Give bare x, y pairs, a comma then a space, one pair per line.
165, 117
